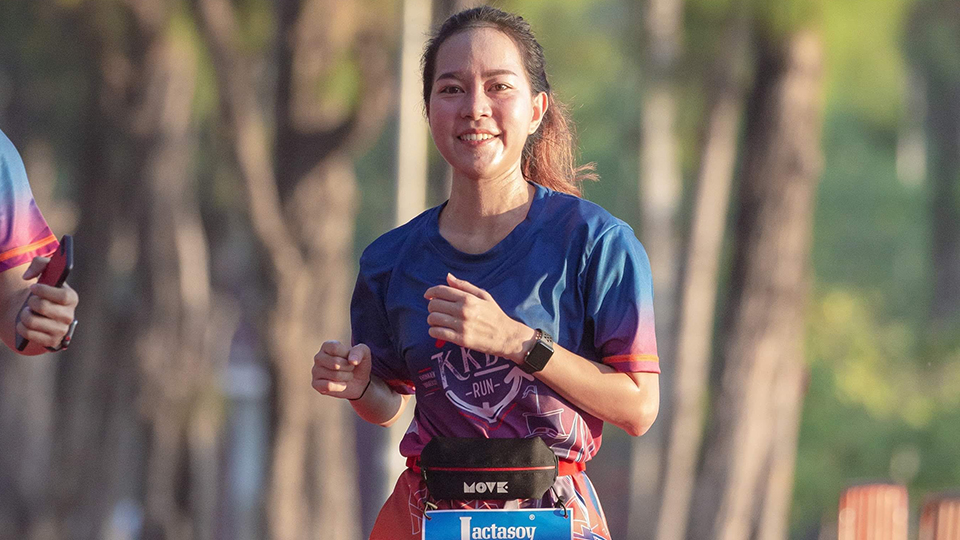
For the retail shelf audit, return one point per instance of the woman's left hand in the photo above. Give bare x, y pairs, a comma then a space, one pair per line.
467, 315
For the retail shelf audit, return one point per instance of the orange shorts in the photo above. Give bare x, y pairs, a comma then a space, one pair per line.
402, 514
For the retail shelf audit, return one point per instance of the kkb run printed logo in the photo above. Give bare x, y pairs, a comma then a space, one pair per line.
491, 532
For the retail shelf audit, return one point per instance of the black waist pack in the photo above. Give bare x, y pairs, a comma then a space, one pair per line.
502, 469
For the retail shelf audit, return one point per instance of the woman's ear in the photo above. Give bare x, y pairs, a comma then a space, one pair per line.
540, 105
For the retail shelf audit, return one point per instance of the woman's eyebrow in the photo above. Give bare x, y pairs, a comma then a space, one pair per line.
456, 75
495, 72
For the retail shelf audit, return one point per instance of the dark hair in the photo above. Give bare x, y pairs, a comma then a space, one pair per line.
548, 155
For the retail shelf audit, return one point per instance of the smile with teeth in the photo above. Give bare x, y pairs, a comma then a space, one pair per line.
476, 137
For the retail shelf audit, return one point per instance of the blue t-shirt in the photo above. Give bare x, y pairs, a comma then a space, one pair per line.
569, 268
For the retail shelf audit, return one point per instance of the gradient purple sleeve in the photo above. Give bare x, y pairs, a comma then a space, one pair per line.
24, 233
619, 296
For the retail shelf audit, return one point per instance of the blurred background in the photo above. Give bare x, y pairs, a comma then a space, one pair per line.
792, 166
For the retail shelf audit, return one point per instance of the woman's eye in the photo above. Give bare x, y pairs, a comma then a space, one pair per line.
500, 86
449, 90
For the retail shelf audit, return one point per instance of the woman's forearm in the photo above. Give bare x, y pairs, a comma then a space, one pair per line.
462, 313
380, 404
629, 401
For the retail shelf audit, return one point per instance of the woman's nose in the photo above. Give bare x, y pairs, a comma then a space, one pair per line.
476, 104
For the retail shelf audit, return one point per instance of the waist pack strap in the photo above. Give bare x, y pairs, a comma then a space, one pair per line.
564, 468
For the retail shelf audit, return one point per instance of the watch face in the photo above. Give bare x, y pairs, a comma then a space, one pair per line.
538, 357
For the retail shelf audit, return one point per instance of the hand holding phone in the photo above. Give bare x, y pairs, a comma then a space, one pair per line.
55, 275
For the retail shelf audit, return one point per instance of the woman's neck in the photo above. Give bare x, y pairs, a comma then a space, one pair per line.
481, 213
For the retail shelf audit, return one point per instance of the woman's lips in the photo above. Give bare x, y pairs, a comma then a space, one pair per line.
476, 139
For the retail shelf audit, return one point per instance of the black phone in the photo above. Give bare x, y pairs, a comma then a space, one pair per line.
55, 274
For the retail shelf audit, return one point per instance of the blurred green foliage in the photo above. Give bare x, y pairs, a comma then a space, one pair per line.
882, 400
866, 69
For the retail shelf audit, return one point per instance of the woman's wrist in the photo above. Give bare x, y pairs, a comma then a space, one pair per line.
365, 388
525, 338
378, 403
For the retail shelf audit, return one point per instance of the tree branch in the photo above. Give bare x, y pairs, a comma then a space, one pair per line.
249, 138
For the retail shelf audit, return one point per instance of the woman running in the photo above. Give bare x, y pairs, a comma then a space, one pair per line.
515, 309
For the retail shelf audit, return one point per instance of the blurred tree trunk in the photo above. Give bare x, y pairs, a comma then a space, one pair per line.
933, 33
301, 194
776, 489
412, 136
166, 452
698, 288
181, 338
943, 121
96, 460
763, 356
660, 191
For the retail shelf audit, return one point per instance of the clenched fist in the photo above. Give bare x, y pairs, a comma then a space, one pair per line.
462, 313
340, 371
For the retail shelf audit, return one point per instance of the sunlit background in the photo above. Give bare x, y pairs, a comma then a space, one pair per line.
792, 166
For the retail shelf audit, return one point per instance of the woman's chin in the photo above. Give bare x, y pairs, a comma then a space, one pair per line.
479, 170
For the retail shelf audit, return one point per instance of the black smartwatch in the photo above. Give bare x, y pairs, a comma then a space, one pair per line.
540, 354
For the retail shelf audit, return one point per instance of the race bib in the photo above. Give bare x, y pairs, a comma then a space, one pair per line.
531, 524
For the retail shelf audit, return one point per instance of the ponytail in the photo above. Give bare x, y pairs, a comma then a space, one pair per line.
548, 156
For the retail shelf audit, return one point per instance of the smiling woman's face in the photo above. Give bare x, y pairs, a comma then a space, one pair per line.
481, 109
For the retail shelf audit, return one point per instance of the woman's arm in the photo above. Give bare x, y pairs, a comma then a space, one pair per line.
629, 401
344, 372
379, 400
464, 314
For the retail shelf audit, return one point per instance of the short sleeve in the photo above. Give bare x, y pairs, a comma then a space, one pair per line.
24, 233
618, 291
369, 325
